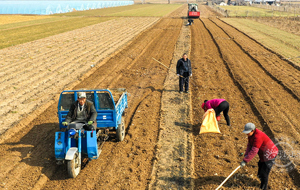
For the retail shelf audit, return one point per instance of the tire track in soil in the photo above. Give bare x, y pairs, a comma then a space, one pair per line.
216, 84
37, 75
124, 164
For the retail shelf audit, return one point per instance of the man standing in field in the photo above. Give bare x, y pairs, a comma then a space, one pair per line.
259, 142
184, 71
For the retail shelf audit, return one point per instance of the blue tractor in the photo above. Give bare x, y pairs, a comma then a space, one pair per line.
73, 143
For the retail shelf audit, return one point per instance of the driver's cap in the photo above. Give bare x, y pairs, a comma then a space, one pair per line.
81, 95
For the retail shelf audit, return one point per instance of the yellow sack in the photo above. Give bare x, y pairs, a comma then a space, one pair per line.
209, 124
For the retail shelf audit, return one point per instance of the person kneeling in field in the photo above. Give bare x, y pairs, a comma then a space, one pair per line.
190, 22
82, 111
219, 105
259, 142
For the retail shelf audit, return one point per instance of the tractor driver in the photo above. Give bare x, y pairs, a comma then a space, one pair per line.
82, 111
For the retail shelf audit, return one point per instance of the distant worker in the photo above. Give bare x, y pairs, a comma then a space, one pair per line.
259, 142
190, 22
82, 111
184, 71
219, 105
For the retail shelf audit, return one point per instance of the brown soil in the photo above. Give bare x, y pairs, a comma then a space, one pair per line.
223, 67
256, 94
27, 157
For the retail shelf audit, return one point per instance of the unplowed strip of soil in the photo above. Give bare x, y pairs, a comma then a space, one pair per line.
27, 157
173, 168
33, 73
223, 70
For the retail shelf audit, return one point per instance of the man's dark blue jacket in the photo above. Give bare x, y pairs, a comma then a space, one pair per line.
184, 66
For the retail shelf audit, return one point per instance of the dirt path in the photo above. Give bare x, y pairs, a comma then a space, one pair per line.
173, 168
27, 161
225, 70
33, 73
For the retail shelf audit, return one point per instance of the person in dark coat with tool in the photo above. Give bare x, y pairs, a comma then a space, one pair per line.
82, 111
184, 71
259, 143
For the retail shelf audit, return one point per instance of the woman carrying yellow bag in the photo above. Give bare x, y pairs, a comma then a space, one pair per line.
219, 105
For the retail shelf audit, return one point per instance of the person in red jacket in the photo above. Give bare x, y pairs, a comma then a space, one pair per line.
219, 105
259, 143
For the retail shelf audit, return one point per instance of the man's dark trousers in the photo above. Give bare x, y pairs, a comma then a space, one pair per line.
184, 81
264, 169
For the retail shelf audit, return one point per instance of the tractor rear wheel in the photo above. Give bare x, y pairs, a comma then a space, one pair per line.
121, 130
74, 166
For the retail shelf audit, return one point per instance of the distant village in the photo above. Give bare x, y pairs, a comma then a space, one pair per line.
265, 2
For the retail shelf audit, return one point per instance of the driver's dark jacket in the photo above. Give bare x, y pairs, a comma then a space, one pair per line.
90, 112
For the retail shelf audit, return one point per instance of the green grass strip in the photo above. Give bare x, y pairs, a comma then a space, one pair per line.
29, 33
31, 22
280, 41
131, 10
152, 10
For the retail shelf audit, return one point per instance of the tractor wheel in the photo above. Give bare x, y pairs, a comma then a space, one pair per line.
74, 166
121, 130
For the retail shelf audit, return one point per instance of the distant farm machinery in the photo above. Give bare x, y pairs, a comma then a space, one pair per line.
193, 11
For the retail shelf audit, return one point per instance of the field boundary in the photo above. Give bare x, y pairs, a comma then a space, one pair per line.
268, 49
34, 114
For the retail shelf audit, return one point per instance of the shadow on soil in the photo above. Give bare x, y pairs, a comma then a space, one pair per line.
185, 126
37, 149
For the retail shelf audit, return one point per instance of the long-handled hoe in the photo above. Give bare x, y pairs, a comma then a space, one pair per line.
228, 177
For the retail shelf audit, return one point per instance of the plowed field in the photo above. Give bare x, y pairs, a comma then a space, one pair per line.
260, 87
229, 65
46, 66
27, 156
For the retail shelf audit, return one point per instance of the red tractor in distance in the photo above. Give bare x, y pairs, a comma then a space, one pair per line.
193, 11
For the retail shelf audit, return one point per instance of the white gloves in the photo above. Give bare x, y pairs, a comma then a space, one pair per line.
243, 163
